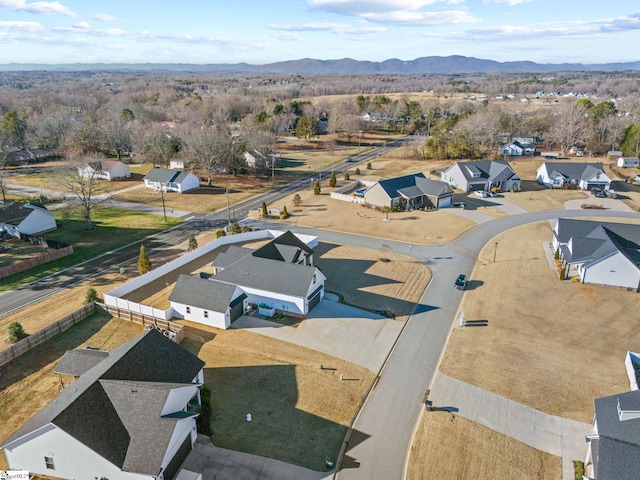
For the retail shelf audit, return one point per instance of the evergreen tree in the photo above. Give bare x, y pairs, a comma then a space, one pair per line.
16, 332
316, 188
332, 180
193, 243
263, 212
92, 296
297, 200
144, 264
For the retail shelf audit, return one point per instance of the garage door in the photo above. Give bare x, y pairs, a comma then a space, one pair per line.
180, 456
476, 186
314, 298
236, 306
444, 202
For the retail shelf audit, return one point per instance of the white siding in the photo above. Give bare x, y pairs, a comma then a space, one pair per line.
213, 319
190, 182
185, 427
178, 399
119, 170
71, 458
616, 270
454, 177
38, 221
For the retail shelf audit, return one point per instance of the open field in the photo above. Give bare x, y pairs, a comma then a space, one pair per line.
449, 446
28, 383
113, 228
544, 199
552, 345
300, 412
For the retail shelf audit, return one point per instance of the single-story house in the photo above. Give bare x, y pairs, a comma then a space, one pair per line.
130, 414
614, 447
614, 154
409, 191
177, 164
170, 180
482, 175
628, 162
25, 218
21, 156
279, 277
517, 149
584, 175
603, 253
105, 170
258, 160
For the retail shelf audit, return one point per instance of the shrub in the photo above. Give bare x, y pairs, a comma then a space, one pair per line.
369, 166
284, 214
16, 332
316, 188
562, 275
557, 255
263, 210
235, 228
332, 180
193, 243
203, 422
346, 175
91, 296
246, 228
357, 172
578, 468
297, 200
221, 233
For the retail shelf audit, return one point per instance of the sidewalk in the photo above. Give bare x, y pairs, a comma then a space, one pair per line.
556, 435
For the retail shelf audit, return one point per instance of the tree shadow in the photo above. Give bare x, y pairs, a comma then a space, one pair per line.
473, 284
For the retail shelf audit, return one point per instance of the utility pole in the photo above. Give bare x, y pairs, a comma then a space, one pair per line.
228, 209
495, 250
164, 210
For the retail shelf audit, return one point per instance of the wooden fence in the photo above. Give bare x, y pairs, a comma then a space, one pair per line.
35, 261
46, 333
172, 330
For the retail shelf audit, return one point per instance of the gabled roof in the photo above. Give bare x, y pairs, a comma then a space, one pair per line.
115, 408
208, 294
286, 248
578, 171
618, 454
592, 241
487, 170
14, 213
412, 186
231, 256
78, 362
162, 175
272, 275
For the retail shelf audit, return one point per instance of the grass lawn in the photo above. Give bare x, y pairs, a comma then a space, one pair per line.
300, 412
48, 181
552, 345
113, 228
450, 446
28, 383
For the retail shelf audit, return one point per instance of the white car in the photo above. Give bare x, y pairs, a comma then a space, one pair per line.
480, 193
637, 178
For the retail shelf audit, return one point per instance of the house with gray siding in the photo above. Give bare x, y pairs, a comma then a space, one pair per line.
604, 253
409, 191
481, 175
130, 415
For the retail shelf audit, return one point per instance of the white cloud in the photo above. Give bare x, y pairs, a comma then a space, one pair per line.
511, 3
338, 28
30, 27
397, 12
289, 37
45, 8
104, 17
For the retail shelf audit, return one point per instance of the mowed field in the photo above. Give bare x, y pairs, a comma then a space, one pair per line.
552, 345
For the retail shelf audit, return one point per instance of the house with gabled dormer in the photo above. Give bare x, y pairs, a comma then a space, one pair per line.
481, 175
130, 414
584, 176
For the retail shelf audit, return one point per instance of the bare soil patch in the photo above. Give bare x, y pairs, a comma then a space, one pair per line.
539, 329
450, 446
300, 412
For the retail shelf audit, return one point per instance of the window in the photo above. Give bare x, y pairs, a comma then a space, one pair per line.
48, 461
206, 314
188, 309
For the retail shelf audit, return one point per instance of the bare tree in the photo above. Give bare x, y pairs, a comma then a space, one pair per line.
80, 183
569, 127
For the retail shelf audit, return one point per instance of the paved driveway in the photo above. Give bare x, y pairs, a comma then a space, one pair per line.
609, 204
339, 330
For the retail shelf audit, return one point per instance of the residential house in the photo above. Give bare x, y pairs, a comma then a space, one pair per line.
130, 415
614, 447
177, 164
517, 149
278, 277
21, 156
105, 170
258, 160
628, 162
409, 191
18, 218
603, 253
584, 176
169, 180
482, 175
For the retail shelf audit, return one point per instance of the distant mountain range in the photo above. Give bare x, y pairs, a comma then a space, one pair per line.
346, 66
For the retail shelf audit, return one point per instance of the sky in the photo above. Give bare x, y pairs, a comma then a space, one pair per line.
267, 31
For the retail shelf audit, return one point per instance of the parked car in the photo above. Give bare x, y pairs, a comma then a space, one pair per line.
636, 178
461, 281
349, 159
480, 193
461, 205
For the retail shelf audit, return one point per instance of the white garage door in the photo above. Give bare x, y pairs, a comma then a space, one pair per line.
444, 202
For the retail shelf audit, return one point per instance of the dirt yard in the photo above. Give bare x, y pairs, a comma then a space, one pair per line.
300, 412
28, 383
449, 446
552, 345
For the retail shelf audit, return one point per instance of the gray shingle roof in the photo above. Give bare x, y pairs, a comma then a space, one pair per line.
78, 362
162, 175
618, 453
272, 275
208, 294
286, 247
103, 410
14, 213
414, 185
231, 256
577, 171
488, 170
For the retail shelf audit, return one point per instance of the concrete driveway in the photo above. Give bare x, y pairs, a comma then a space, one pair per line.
609, 204
339, 330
